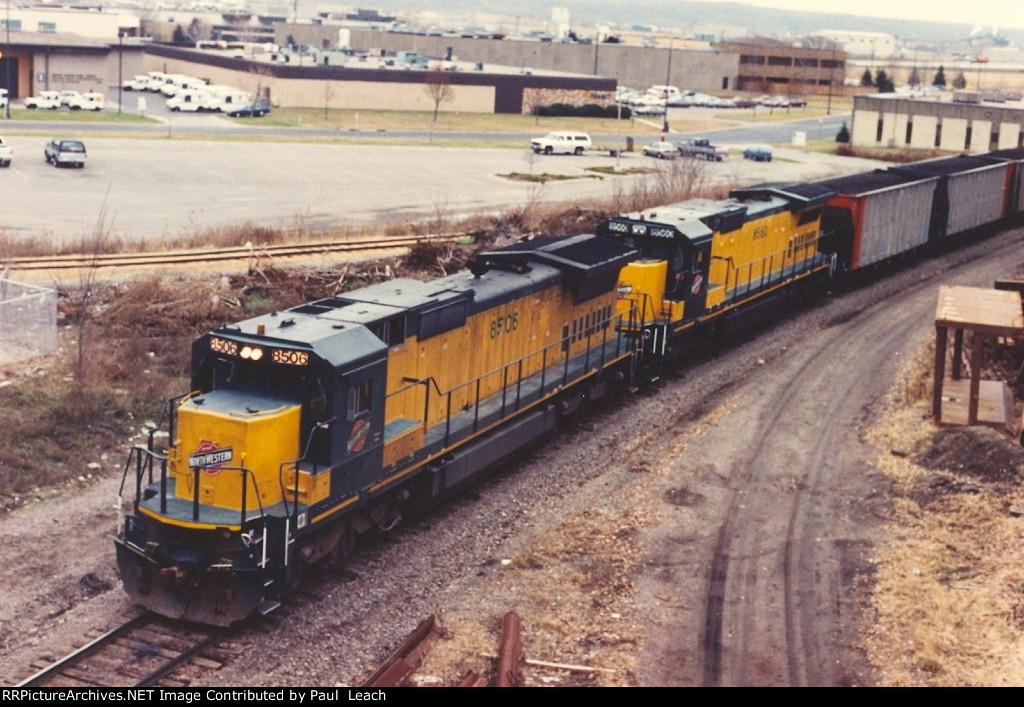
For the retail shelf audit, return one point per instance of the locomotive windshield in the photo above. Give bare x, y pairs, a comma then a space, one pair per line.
660, 249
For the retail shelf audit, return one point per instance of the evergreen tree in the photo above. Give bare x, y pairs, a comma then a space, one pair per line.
843, 135
180, 37
915, 78
940, 78
883, 82
866, 79
960, 81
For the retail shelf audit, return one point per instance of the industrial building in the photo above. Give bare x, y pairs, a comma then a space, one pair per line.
894, 120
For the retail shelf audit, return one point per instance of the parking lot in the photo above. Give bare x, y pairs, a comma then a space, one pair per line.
159, 187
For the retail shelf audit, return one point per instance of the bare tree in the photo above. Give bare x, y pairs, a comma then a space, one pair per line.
439, 88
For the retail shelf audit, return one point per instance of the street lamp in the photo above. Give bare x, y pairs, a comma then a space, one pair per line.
668, 82
120, 80
7, 64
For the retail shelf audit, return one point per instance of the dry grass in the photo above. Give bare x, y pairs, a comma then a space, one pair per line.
590, 557
900, 155
125, 346
947, 607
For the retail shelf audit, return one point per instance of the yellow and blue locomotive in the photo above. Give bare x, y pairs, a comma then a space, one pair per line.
309, 426
704, 262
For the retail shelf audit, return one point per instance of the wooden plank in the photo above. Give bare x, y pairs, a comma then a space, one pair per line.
995, 403
979, 309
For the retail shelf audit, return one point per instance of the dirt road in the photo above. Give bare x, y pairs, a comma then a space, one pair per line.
769, 565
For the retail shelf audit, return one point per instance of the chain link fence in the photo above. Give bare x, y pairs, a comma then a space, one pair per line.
28, 320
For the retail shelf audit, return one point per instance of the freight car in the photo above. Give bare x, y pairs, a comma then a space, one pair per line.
307, 427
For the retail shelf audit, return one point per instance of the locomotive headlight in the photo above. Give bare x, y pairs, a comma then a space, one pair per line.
253, 353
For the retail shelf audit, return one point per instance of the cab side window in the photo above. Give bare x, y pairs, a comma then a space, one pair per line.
359, 399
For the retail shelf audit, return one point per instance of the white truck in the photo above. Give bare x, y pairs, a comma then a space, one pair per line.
6, 153
190, 101
49, 100
91, 100
562, 142
701, 147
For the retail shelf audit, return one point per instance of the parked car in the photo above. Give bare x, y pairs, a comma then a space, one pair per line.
60, 152
564, 142
6, 153
662, 150
250, 110
758, 153
49, 100
649, 110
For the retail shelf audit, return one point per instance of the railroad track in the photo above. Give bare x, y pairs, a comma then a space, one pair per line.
141, 652
212, 255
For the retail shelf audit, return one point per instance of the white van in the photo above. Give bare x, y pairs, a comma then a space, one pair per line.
188, 100
90, 100
663, 92
564, 142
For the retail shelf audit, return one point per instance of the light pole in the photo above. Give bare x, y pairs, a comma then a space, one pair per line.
831, 70
120, 80
7, 64
668, 82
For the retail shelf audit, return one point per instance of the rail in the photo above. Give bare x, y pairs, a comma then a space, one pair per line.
185, 257
168, 648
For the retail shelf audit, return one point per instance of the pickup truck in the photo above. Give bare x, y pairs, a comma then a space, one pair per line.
701, 147
6, 153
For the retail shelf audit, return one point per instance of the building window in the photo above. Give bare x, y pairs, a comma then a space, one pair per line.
993, 143
47, 26
14, 25
751, 59
807, 63
967, 138
780, 61
910, 130
878, 132
938, 135
832, 64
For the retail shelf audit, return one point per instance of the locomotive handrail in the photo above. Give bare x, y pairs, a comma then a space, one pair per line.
144, 459
322, 425
517, 364
769, 273
246, 473
167, 405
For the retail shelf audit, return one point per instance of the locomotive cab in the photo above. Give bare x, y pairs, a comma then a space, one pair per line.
276, 426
